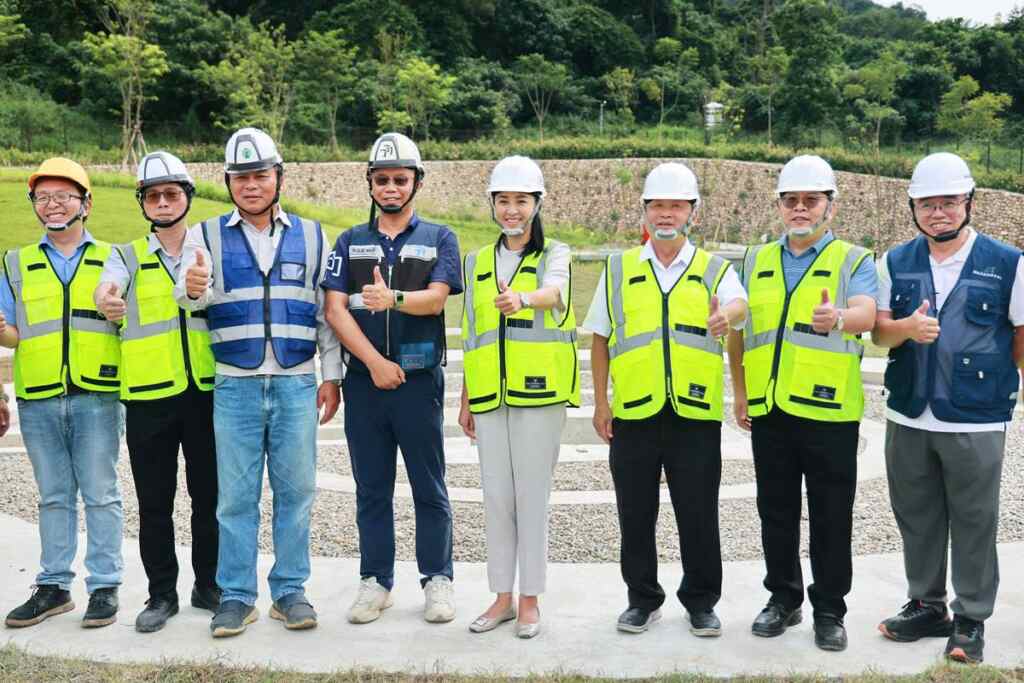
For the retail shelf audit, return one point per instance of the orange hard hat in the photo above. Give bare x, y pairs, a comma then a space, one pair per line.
59, 167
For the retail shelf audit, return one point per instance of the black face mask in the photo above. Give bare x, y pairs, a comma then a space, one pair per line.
949, 235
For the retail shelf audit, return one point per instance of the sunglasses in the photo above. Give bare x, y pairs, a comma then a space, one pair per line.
791, 201
397, 181
152, 197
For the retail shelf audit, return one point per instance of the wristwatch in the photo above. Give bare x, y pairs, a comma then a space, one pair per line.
840, 323
524, 300
399, 298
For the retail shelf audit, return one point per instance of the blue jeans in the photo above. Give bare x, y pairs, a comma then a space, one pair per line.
272, 417
73, 443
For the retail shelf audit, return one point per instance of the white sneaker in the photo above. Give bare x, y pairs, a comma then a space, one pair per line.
440, 600
372, 598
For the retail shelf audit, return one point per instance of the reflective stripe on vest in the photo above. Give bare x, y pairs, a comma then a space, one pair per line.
659, 345
525, 360
157, 359
254, 308
60, 321
786, 363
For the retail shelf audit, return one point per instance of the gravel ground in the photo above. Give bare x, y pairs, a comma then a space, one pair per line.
585, 533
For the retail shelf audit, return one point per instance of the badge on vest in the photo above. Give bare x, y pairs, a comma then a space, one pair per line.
824, 393
415, 356
365, 251
536, 383
108, 371
293, 271
697, 391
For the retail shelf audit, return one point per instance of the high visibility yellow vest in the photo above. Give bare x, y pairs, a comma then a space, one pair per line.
162, 346
785, 362
659, 348
525, 360
61, 335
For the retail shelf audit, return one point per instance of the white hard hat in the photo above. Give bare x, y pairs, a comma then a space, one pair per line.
807, 173
671, 180
250, 149
162, 167
516, 174
939, 175
394, 150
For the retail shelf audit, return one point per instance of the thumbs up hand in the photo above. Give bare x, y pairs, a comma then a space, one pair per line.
825, 315
3, 326
378, 297
110, 303
197, 277
508, 301
924, 329
718, 321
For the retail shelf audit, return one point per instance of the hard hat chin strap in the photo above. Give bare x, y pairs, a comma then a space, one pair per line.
154, 224
949, 235
60, 227
273, 202
521, 228
825, 218
390, 209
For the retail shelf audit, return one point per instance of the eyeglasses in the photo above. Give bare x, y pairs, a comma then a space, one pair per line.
58, 197
945, 206
397, 181
811, 202
153, 196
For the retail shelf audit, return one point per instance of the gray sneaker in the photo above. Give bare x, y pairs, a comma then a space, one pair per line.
295, 611
232, 617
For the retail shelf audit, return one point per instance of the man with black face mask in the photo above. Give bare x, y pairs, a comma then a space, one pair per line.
951, 311
387, 284
167, 386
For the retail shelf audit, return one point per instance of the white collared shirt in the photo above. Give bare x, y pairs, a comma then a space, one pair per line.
729, 288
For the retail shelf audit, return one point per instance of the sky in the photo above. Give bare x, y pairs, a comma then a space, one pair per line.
978, 11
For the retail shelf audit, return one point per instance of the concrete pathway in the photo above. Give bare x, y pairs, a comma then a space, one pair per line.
579, 635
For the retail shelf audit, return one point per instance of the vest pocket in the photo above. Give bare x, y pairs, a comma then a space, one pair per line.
900, 372
904, 298
819, 378
982, 306
980, 380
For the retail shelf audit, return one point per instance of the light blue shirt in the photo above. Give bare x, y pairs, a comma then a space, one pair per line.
863, 282
64, 266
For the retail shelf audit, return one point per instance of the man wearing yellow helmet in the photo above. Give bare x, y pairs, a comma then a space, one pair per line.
69, 410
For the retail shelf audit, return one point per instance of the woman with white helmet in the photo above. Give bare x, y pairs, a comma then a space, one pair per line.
521, 370
658, 317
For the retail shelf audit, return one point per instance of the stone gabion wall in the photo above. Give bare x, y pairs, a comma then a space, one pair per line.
604, 194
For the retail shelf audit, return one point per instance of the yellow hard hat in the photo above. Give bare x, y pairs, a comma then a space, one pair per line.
59, 167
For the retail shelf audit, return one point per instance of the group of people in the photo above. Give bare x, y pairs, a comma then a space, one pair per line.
209, 335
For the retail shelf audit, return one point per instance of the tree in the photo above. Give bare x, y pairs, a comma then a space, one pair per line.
808, 30
255, 79
769, 70
620, 84
872, 89
970, 114
484, 97
540, 80
672, 77
26, 112
326, 78
121, 55
12, 31
592, 31
423, 91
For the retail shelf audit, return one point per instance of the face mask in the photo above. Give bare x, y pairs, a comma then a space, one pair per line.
802, 232
664, 235
809, 230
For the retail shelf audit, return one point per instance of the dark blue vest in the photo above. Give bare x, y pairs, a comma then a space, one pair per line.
415, 342
279, 307
967, 374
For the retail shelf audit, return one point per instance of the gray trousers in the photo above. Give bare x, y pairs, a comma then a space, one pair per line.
518, 451
945, 487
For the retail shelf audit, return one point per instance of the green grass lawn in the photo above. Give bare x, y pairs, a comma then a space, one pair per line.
116, 217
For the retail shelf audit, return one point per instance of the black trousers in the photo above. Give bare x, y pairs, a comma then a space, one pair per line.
155, 430
690, 452
788, 449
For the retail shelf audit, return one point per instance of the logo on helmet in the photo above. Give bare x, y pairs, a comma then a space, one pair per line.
386, 151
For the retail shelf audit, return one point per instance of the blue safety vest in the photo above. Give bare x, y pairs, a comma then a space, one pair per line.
967, 374
252, 308
415, 342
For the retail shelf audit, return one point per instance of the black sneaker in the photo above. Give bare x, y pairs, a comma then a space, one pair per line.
46, 601
295, 611
231, 618
829, 632
918, 620
637, 619
205, 597
967, 642
158, 610
705, 624
774, 619
102, 609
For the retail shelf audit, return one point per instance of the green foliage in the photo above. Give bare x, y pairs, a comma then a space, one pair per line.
12, 31
325, 80
808, 31
620, 84
540, 80
971, 115
422, 91
25, 114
